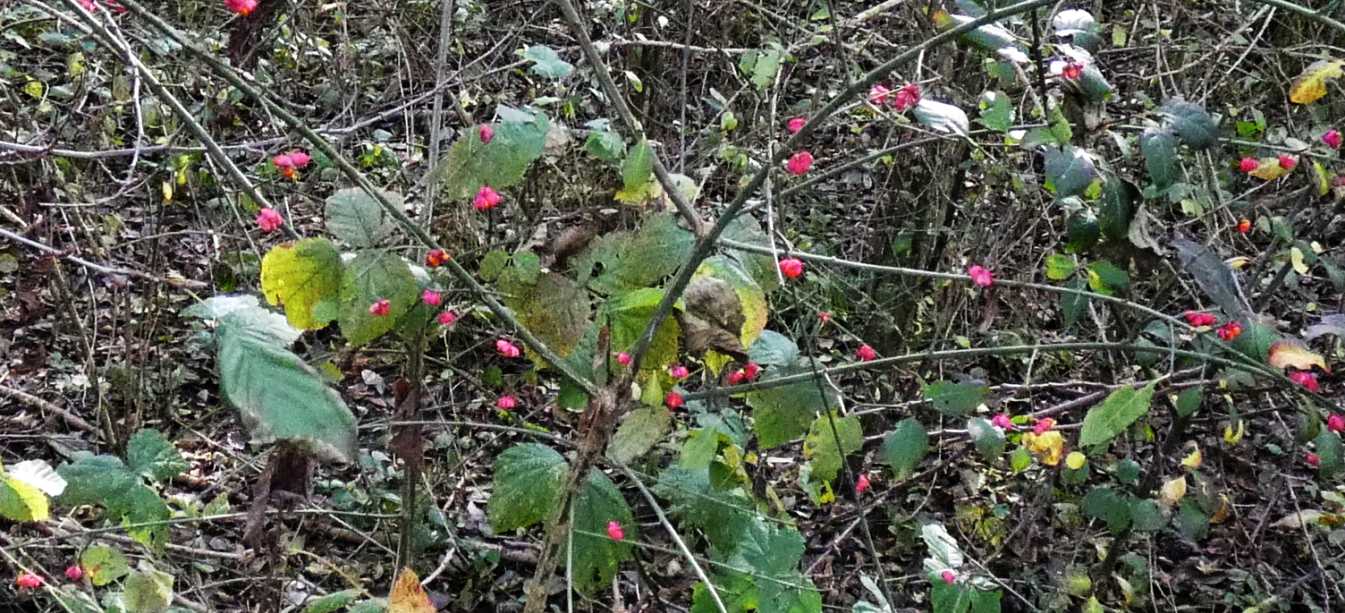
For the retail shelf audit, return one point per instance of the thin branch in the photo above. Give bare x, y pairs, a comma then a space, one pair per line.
107, 270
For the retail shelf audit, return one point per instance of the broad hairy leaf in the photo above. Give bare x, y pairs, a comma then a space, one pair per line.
152, 456
1069, 170
1103, 503
299, 276
626, 261
723, 515
1120, 409
596, 557
546, 62
106, 481
628, 314
357, 218
821, 444
277, 394
782, 414
904, 447
552, 306
988, 439
1212, 276
996, 111
638, 168
103, 564
1310, 85
1059, 267
528, 483
147, 591
774, 551
955, 399
773, 349
762, 65
1160, 156
1192, 123
369, 277
520, 138
639, 431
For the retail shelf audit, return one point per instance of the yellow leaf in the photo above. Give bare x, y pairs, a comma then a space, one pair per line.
1238, 262
639, 194
300, 275
1323, 178
20, 501
1221, 515
407, 596
167, 192
1075, 460
1192, 460
1234, 436
1296, 355
1173, 491
1310, 85
1048, 446
1269, 169
1296, 258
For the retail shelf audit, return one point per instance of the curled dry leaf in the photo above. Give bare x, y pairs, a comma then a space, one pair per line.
1310, 85
408, 596
1173, 491
1296, 355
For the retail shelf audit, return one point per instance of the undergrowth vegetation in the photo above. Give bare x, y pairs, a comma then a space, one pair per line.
726, 306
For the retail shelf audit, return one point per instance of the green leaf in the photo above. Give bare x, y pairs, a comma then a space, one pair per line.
955, 399
547, 63
820, 446
990, 37
761, 267
153, 456
357, 218
632, 261
1192, 522
596, 557
1330, 452
148, 591
1188, 402
762, 65
551, 306
1069, 170
105, 480
996, 111
988, 439
773, 349
784, 413
1146, 516
1093, 84
300, 275
771, 548
1160, 156
1115, 414
904, 447
1212, 276
519, 140
605, 145
103, 564
1059, 267
1118, 208
1107, 278
723, 515
1083, 230
736, 590
638, 169
944, 552
528, 484
1073, 305
369, 277
628, 314
1104, 504
278, 395
639, 431
331, 603
1020, 459
1192, 123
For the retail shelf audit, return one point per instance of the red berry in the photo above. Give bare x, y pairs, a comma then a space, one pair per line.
1198, 319
799, 163
380, 307
866, 353
436, 258
791, 268
1288, 162
1248, 165
674, 401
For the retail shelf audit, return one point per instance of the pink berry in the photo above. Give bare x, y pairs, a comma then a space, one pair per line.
878, 94
948, 576
1336, 422
1248, 165
678, 371
447, 318
242, 8
74, 572
614, 531
268, 220
1332, 138
862, 484
674, 401
1198, 319
506, 402
432, 298
906, 98
29, 581
486, 199
380, 307
981, 276
1307, 379
1312, 459
751, 370
794, 125
486, 133
791, 268
623, 358
866, 353
507, 349
1002, 421
1288, 162
799, 163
